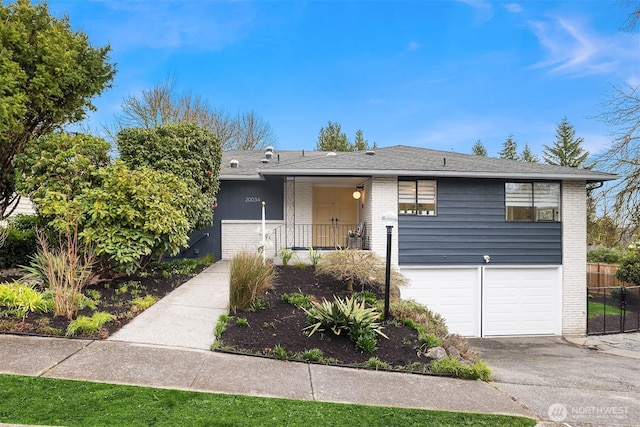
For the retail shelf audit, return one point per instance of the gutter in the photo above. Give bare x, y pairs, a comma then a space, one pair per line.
589, 177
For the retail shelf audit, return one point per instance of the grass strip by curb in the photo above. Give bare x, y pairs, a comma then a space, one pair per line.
35, 400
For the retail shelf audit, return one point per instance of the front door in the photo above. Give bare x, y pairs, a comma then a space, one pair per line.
334, 213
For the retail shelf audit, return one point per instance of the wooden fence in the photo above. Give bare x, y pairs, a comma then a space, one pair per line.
601, 275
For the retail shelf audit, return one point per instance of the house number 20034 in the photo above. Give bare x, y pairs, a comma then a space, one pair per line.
251, 199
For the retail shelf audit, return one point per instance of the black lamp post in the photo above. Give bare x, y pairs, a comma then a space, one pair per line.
388, 219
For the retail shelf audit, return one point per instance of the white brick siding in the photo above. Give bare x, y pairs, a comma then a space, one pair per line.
304, 203
382, 196
239, 235
574, 258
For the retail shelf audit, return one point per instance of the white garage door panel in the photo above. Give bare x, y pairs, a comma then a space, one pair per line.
453, 293
522, 301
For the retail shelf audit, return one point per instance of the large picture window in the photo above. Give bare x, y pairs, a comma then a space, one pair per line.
532, 201
417, 197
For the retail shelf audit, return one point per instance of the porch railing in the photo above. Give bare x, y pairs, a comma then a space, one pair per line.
319, 236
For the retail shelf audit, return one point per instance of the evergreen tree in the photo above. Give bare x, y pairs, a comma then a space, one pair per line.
509, 149
567, 149
528, 156
360, 144
479, 149
332, 138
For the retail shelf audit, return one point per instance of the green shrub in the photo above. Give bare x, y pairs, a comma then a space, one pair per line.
143, 303
313, 355
314, 256
88, 325
280, 352
419, 314
134, 216
298, 299
21, 299
221, 326
478, 370
249, 280
365, 340
376, 363
348, 315
285, 255
606, 255
430, 340
178, 266
242, 322
360, 267
629, 270
19, 246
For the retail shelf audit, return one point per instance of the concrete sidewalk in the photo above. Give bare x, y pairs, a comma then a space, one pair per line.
198, 370
186, 317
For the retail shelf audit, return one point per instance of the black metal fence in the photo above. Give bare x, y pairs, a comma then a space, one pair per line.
613, 310
319, 236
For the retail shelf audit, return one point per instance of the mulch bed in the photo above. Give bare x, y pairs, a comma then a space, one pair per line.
115, 299
281, 323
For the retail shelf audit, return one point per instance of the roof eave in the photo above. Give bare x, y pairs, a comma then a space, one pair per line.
590, 177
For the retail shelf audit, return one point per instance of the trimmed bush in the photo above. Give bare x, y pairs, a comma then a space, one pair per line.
360, 267
20, 241
249, 280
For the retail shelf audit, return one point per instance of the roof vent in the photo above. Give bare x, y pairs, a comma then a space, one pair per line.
265, 161
268, 155
234, 163
269, 149
331, 153
370, 152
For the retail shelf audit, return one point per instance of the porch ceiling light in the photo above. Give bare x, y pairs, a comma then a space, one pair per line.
358, 193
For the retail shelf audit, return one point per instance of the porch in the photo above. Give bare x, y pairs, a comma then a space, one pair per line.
320, 236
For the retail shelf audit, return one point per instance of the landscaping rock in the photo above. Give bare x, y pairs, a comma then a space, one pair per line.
453, 351
436, 353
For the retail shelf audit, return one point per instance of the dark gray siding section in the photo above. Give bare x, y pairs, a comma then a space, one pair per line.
470, 223
238, 200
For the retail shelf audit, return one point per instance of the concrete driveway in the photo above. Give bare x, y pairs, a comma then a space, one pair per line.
562, 382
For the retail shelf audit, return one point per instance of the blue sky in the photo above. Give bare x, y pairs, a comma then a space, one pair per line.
435, 74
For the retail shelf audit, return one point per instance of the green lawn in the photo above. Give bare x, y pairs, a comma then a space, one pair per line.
33, 400
597, 308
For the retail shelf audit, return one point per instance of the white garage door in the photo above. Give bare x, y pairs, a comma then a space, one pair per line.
454, 293
522, 302
490, 301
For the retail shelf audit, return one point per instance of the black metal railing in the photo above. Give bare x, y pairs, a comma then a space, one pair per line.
613, 310
318, 236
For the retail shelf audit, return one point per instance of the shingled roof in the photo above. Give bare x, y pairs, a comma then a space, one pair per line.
398, 160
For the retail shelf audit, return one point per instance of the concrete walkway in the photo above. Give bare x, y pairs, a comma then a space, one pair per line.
186, 317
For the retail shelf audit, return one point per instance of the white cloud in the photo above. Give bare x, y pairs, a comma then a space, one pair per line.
571, 48
514, 7
413, 46
483, 9
206, 26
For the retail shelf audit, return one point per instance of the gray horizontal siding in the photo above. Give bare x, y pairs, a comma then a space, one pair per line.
470, 223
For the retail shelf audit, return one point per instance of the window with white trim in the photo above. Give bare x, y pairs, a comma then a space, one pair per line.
532, 201
417, 197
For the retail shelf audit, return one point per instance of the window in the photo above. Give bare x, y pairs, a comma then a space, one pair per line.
417, 197
532, 201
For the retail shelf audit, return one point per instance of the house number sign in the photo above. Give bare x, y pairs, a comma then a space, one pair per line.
252, 199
